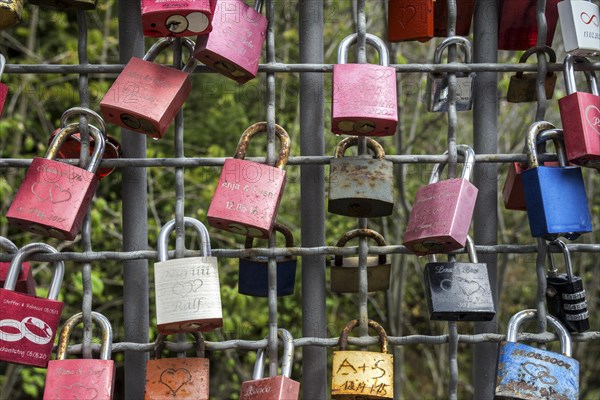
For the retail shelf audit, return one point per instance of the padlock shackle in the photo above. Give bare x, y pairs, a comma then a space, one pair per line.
383, 338
529, 315
2, 64
69, 130
22, 255
258, 4
376, 42
288, 356
567, 256
164, 43
9, 246
537, 50
65, 334
469, 246
277, 227
468, 165
355, 233
163, 237
556, 135
531, 141
83, 111
261, 127
460, 41
569, 75
351, 141
159, 344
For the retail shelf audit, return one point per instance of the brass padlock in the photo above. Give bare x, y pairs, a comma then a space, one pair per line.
362, 374
523, 88
10, 13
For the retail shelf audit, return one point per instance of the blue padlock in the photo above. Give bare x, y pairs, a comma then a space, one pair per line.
555, 196
254, 271
526, 372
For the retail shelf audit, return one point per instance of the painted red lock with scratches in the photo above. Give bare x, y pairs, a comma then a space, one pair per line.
410, 20
248, 193
518, 30
3, 86
28, 324
177, 18
25, 282
81, 379
54, 197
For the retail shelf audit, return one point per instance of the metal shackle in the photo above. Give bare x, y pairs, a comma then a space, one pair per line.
83, 111
566, 255
532, 137
169, 227
376, 42
159, 344
288, 356
261, 127
350, 141
590, 76
22, 255
529, 315
556, 136
469, 246
569, 75
65, 334
72, 129
2, 64
462, 42
536, 50
355, 233
9, 246
258, 4
469, 163
277, 227
163, 43
383, 339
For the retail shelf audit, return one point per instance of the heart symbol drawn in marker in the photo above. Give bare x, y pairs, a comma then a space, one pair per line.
592, 116
175, 379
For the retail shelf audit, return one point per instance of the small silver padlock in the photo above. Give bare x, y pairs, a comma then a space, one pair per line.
579, 22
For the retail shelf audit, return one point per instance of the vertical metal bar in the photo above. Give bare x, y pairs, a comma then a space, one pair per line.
179, 172
135, 213
453, 360
312, 192
540, 268
485, 125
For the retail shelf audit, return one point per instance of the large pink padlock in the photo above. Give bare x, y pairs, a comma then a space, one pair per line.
234, 46
248, 193
162, 18
146, 96
364, 99
81, 379
441, 215
28, 324
54, 197
25, 282
580, 116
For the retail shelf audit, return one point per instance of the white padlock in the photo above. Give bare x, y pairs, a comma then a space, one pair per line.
580, 25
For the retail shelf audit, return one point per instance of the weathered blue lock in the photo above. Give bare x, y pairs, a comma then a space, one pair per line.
555, 196
526, 372
254, 271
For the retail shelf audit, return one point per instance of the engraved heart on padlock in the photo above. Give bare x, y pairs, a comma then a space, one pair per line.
539, 371
183, 289
592, 116
79, 392
469, 287
58, 195
41, 190
405, 15
175, 379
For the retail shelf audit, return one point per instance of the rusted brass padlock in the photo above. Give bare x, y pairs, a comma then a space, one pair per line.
523, 88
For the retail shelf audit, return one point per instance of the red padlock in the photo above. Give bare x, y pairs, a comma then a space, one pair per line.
410, 20
234, 46
146, 96
25, 282
464, 15
248, 193
364, 101
517, 28
580, 117
83, 378
3, 87
28, 324
179, 18
54, 197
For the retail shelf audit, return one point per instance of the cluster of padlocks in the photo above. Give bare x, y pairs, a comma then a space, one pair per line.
54, 197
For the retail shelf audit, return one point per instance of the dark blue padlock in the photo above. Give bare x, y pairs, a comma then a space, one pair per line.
555, 196
526, 372
254, 271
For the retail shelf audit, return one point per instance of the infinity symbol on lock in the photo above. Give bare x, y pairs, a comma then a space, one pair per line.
590, 18
31, 328
540, 372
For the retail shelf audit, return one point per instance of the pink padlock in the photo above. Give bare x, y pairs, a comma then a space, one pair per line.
162, 18
234, 46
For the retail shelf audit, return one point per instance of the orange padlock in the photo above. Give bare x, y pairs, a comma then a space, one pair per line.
410, 20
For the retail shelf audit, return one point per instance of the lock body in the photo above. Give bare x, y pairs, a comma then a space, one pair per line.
458, 292
580, 117
145, 97
566, 301
523, 89
344, 278
27, 328
437, 92
25, 282
3, 96
364, 100
80, 379
188, 295
464, 15
579, 25
53, 199
272, 388
181, 18
441, 215
517, 28
234, 46
254, 276
362, 375
177, 378
10, 13
247, 198
66, 4
556, 202
512, 191
410, 20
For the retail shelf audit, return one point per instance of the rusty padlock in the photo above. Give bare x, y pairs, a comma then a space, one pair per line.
464, 15
146, 96
523, 87
280, 387
10, 13
579, 22
54, 197
25, 282
82, 379
364, 101
441, 215
345, 270
410, 20
188, 293
362, 374
66, 4
234, 46
178, 378
248, 193
360, 186
28, 324
518, 28
175, 19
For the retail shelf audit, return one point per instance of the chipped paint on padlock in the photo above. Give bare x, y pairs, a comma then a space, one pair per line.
25, 282
579, 21
523, 86
54, 197
10, 13
176, 19
66, 4
410, 20
360, 186
517, 27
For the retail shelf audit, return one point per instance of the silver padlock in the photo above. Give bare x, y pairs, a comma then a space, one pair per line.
579, 22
